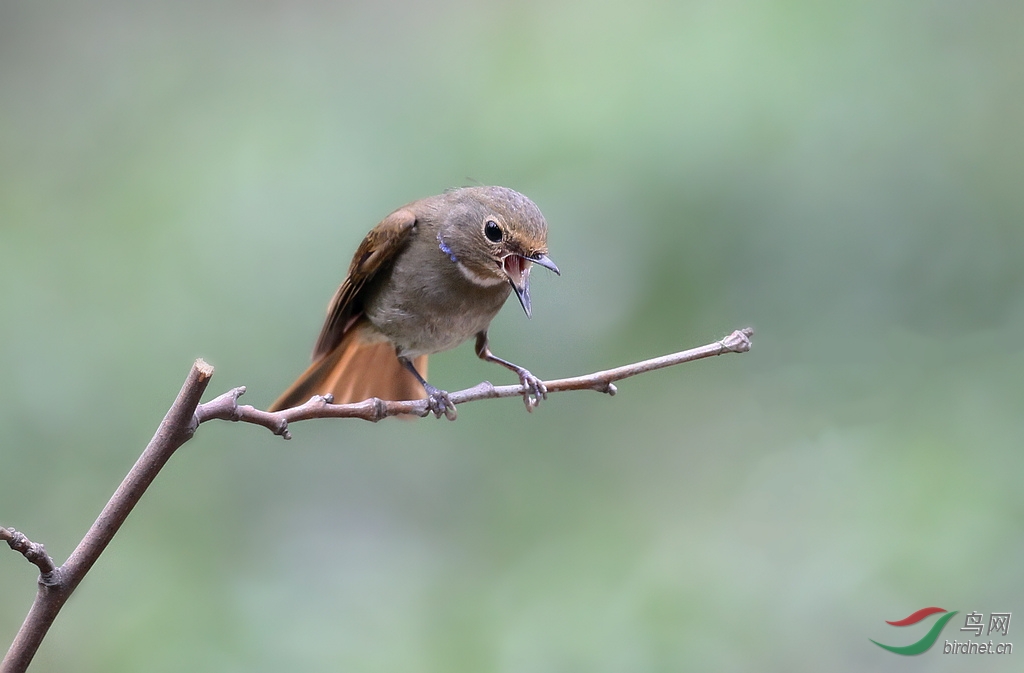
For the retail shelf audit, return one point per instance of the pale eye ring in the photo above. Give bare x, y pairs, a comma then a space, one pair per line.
492, 231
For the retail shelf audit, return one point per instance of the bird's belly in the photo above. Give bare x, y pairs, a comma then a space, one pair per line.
431, 323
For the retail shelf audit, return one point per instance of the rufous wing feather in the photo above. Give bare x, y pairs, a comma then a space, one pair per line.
355, 370
377, 250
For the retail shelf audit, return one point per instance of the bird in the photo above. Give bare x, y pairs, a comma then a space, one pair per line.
427, 278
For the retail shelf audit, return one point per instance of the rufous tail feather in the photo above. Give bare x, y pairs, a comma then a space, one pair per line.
354, 371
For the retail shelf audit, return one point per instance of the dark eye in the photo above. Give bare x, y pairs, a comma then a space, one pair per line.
492, 231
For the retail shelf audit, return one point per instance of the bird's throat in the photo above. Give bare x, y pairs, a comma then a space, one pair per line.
478, 279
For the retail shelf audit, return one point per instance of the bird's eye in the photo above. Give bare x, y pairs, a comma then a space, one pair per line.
492, 231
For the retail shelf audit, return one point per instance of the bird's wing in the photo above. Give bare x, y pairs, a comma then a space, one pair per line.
380, 247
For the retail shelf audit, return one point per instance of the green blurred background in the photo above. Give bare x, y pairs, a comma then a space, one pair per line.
190, 179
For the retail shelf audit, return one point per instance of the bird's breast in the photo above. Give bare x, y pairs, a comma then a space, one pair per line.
426, 306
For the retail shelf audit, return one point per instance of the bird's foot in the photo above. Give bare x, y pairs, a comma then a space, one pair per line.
534, 389
439, 403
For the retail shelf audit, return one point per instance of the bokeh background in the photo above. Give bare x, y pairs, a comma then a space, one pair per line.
186, 179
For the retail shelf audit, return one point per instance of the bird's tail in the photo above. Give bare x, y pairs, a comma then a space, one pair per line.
355, 370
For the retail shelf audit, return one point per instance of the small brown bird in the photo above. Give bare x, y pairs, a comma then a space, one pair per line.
429, 276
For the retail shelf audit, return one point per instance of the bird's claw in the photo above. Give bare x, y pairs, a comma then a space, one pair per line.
534, 389
439, 403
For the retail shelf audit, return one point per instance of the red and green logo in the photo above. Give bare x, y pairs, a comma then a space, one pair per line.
929, 638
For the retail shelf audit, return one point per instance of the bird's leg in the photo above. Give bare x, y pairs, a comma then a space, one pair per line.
437, 400
534, 389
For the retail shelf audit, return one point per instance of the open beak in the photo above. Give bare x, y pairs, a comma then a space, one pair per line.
517, 268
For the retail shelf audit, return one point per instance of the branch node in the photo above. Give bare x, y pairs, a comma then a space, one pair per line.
380, 409
282, 430
738, 341
235, 393
54, 578
482, 390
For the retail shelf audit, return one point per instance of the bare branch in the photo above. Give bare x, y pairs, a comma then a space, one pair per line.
176, 429
226, 406
186, 415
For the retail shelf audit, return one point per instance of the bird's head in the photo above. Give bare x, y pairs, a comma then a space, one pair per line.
496, 235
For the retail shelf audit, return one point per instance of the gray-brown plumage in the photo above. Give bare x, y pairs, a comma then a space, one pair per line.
431, 275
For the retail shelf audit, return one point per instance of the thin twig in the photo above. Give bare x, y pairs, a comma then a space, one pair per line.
186, 414
226, 407
33, 552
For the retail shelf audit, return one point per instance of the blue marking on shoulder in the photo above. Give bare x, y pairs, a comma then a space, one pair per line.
445, 249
